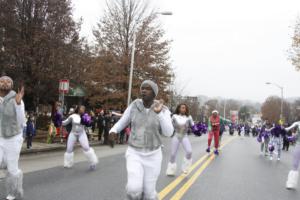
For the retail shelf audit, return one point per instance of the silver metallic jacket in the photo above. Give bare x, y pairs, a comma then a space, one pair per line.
182, 123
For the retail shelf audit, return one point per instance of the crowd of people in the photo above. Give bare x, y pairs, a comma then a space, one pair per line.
275, 138
141, 126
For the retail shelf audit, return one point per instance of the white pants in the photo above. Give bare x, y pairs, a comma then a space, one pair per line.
277, 143
143, 170
10, 149
176, 140
84, 142
81, 137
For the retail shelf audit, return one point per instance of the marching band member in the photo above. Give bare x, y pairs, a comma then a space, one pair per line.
148, 119
79, 120
293, 175
182, 121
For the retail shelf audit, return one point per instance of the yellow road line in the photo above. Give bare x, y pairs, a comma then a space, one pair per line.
179, 194
189, 183
180, 178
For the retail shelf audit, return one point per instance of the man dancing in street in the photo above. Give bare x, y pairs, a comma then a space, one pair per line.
12, 119
149, 119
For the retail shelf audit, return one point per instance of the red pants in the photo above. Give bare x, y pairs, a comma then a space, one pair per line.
214, 134
57, 131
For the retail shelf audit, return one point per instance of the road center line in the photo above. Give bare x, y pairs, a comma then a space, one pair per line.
179, 194
180, 178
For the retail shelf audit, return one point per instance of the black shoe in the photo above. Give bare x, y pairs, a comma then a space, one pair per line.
216, 152
112, 144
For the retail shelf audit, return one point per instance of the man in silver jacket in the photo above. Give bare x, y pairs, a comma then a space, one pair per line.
12, 118
149, 119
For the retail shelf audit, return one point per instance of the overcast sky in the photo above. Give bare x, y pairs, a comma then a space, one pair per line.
223, 48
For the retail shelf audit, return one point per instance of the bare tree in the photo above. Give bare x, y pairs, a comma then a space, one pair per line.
244, 113
230, 105
295, 108
114, 36
40, 45
294, 53
271, 109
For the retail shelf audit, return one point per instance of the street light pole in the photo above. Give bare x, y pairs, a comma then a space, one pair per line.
225, 109
281, 90
3, 38
131, 69
281, 109
132, 59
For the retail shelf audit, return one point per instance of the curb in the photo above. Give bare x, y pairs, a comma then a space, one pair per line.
51, 149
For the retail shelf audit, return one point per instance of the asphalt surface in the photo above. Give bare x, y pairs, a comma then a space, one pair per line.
238, 173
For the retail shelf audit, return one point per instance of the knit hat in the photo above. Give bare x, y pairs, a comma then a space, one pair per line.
152, 85
6, 83
71, 111
215, 111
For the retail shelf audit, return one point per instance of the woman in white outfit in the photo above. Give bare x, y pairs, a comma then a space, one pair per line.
293, 175
12, 119
78, 134
182, 121
148, 119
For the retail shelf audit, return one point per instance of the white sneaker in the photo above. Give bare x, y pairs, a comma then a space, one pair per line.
10, 197
186, 165
278, 159
271, 158
292, 181
266, 154
68, 160
171, 170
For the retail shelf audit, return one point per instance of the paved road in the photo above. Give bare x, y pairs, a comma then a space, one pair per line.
238, 173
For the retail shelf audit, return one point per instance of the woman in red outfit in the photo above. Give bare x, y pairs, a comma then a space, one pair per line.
214, 131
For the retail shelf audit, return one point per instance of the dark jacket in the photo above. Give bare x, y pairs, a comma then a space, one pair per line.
100, 121
30, 129
57, 119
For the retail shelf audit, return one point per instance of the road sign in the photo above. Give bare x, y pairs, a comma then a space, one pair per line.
64, 86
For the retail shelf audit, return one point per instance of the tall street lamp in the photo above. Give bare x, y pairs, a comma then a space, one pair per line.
132, 58
281, 89
225, 108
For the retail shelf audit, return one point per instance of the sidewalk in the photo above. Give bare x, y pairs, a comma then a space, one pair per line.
45, 156
38, 147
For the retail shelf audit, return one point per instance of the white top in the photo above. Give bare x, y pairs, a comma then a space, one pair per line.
164, 118
75, 119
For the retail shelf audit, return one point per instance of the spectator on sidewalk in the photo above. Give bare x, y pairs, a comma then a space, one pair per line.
93, 126
69, 126
56, 117
122, 133
100, 124
109, 122
30, 130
